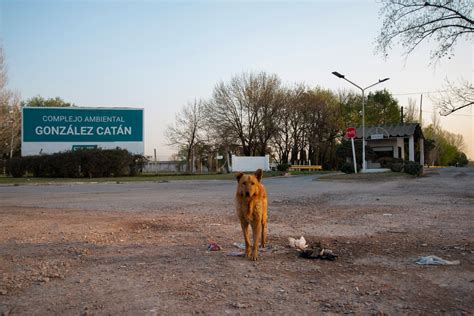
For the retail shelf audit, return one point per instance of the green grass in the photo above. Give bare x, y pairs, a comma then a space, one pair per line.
366, 176
141, 178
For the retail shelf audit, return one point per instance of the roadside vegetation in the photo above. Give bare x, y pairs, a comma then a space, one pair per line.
146, 177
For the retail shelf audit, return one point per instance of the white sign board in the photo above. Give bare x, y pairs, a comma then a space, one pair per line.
250, 164
376, 136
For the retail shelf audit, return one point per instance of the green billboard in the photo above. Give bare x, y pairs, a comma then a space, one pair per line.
78, 125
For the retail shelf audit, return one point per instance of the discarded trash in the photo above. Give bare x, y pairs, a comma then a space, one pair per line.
435, 260
312, 251
213, 247
297, 243
239, 245
317, 251
236, 254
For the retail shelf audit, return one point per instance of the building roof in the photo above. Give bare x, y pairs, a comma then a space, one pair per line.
391, 130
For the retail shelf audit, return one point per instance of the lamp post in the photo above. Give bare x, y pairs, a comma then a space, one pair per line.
335, 73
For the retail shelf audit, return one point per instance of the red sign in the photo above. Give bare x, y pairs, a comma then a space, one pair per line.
350, 132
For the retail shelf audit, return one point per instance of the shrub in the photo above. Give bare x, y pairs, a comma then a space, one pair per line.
136, 164
283, 167
89, 163
348, 167
16, 167
413, 168
387, 162
459, 160
397, 167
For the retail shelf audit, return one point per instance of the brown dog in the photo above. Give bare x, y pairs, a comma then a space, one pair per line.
251, 202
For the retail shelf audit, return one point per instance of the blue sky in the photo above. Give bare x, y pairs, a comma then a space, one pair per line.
159, 55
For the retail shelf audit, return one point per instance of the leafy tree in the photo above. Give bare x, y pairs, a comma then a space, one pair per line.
344, 152
350, 108
39, 101
459, 160
381, 108
322, 124
447, 145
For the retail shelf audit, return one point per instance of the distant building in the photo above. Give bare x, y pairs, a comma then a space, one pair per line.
404, 141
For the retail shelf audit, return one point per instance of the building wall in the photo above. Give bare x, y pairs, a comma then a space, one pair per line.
395, 143
250, 163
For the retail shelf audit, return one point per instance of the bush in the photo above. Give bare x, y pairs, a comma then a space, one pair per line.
90, 163
460, 160
413, 168
397, 167
136, 164
348, 167
283, 167
387, 162
16, 167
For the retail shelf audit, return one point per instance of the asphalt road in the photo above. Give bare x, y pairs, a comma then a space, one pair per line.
146, 196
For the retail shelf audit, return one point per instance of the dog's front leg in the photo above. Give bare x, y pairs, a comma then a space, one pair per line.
246, 231
256, 229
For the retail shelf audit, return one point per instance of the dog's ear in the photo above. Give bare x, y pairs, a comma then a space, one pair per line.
259, 174
238, 176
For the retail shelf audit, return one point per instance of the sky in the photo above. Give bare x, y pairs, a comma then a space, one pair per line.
160, 55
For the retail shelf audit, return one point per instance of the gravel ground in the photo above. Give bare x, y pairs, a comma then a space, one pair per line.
141, 248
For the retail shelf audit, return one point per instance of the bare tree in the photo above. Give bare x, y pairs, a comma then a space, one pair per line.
246, 111
10, 116
411, 112
288, 137
187, 130
455, 97
322, 123
411, 22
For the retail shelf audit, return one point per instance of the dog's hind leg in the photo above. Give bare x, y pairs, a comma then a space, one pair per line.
264, 233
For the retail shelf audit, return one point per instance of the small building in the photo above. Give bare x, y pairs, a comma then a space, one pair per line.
404, 141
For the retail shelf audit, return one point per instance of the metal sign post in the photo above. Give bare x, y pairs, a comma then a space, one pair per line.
351, 133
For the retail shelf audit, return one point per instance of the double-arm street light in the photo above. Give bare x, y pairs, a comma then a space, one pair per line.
335, 73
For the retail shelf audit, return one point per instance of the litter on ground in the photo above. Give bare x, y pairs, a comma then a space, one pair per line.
213, 246
435, 260
297, 243
311, 251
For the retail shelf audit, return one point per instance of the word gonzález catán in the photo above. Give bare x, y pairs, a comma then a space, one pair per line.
83, 130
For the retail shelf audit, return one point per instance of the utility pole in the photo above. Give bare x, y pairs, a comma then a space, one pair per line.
421, 108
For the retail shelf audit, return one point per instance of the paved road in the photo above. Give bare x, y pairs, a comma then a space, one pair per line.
146, 196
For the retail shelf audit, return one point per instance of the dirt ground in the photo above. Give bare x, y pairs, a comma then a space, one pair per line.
141, 248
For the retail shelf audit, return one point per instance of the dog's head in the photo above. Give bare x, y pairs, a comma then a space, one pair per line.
249, 184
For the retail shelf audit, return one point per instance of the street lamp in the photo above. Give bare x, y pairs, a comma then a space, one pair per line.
335, 73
